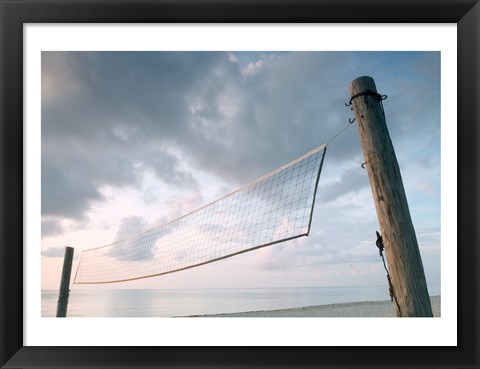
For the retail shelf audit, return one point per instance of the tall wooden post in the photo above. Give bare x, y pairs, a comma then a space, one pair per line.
64, 291
401, 247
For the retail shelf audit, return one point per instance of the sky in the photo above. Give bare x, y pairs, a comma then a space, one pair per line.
132, 140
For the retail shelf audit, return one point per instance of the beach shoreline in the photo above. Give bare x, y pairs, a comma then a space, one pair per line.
373, 309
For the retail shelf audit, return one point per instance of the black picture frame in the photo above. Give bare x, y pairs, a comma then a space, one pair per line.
15, 13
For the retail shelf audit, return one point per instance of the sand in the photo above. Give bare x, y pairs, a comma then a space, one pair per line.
353, 309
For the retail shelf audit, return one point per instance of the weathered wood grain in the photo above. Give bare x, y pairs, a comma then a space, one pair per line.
401, 246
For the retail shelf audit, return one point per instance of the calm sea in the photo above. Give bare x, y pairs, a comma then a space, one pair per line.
183, 302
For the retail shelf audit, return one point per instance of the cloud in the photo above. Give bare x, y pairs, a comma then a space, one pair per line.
322, 259
130, 226
115, 127
179, 206
51, 227
59, 80
66, 191
253, 68
166, 167
429, 239
54, 252
130, 244
121, 114
426, 188
351, 181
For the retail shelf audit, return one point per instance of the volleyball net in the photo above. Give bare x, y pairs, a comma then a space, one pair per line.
274, 208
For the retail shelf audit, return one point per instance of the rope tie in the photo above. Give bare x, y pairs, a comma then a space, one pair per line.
391, 292
367, 93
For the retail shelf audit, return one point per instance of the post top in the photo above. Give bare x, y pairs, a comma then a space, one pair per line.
362, 77
362, 84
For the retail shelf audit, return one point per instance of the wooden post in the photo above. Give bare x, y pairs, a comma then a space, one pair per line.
401, 247
65, 283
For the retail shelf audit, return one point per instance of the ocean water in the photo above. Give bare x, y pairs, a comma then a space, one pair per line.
185, 302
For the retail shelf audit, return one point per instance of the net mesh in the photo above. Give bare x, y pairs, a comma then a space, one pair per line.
276, 207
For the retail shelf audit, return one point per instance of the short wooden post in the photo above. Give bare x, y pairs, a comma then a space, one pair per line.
64, 291
401, 247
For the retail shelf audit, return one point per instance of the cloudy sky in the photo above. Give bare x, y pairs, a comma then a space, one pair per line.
132, 140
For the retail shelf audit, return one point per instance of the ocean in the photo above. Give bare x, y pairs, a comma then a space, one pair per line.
185, 302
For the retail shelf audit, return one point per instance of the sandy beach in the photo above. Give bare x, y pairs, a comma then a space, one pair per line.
353, 309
